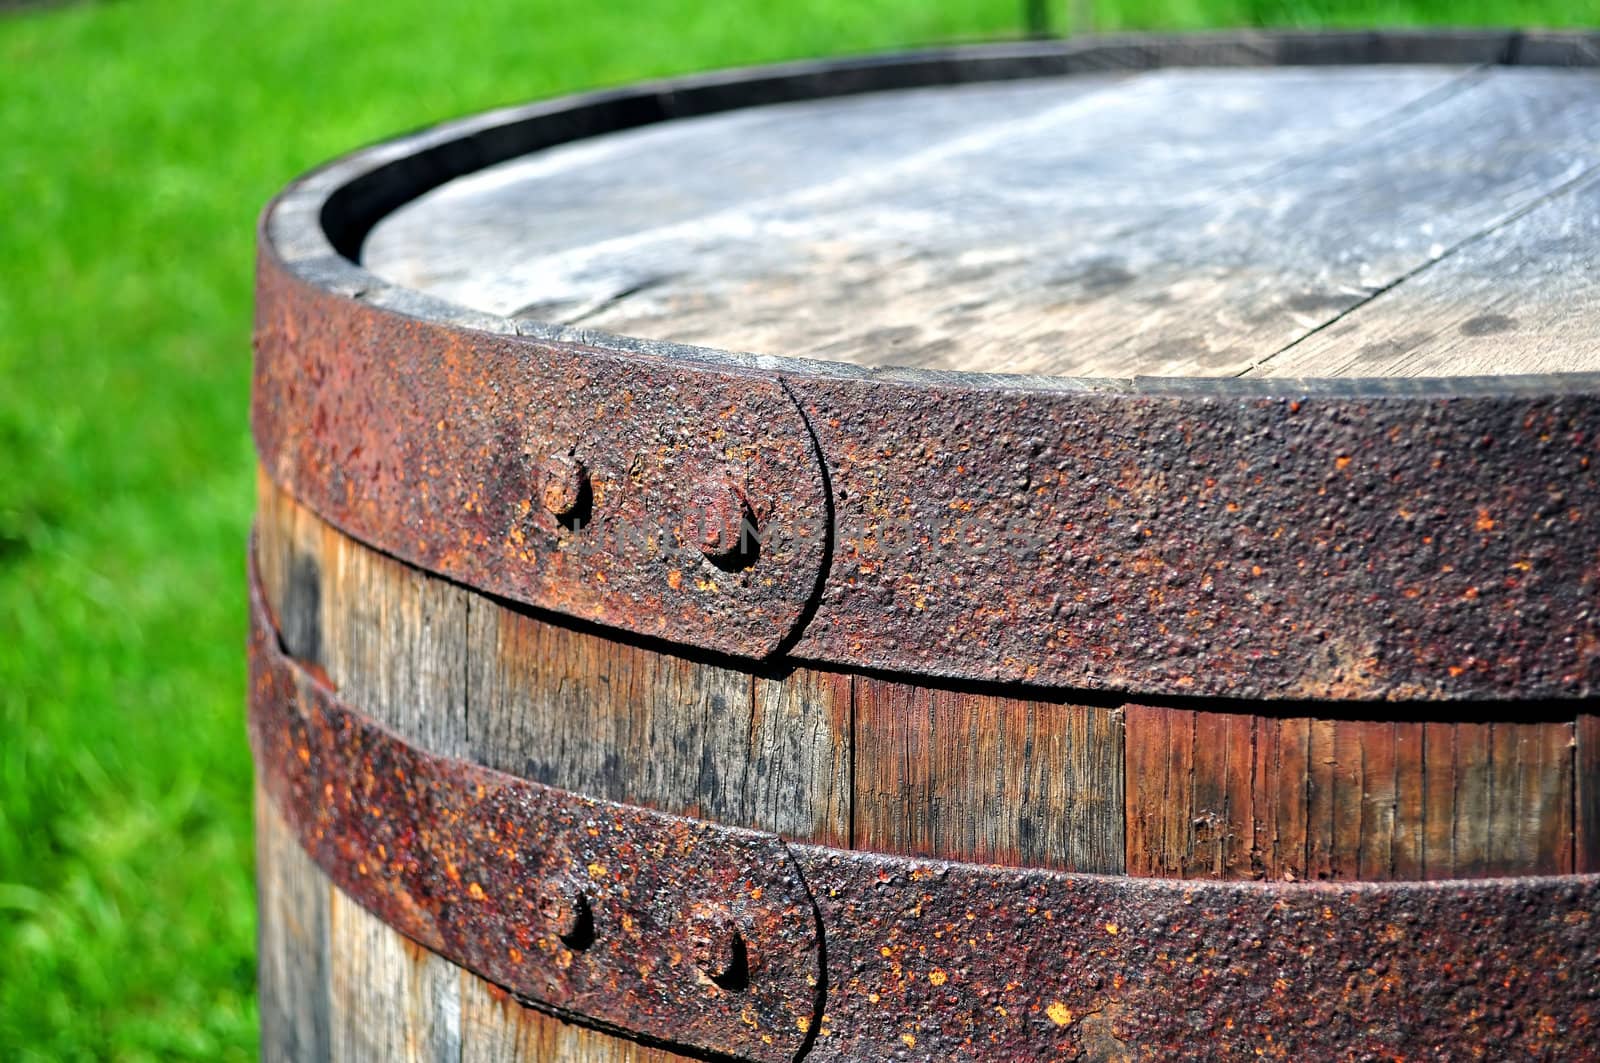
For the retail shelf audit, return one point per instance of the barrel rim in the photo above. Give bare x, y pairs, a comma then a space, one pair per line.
1326, 588
316, 226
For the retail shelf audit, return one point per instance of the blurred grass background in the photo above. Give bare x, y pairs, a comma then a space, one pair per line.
138, 139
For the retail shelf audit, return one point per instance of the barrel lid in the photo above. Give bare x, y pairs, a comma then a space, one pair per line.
1079, 363
1365, 220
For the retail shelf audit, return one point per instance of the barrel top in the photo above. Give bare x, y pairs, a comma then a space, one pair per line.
886, 310
1346, 220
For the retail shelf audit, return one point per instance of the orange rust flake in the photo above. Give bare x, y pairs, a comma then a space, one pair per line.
1059, 1013
475, 891
1484, 522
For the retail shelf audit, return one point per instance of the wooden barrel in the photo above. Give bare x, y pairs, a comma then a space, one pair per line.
1160, 459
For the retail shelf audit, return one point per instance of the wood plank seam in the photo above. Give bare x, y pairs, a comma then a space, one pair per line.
1566, 188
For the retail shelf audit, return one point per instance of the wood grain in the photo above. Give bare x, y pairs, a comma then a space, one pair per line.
628, 723
391, 999
1522, 298
1586, 829
987, 778
978, 775
1223, 795
496, 1029
291, 944
1177, 221
1230, 283
508, 230
295, 958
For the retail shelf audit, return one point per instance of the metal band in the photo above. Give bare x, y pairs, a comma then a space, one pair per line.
628, 919
732, 942
567, 476
1311, 539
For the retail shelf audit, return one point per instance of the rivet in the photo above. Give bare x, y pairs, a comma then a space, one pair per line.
717, 947
565, 910
564, 485
718, 520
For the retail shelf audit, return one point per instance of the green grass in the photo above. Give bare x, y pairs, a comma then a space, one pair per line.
137, 142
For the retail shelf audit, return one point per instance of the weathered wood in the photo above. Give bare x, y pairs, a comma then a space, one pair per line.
1231, 282
391, 639
802, 777
654, 183
1178, 222
988, 778
636, 723
391, 999
1520, 299
293, 895
1534, 792
1042, 242
900, 768
1224, 795
496, 1029
291, 944
1410, 793
866, 761
1586, 828
557, 704
640, 724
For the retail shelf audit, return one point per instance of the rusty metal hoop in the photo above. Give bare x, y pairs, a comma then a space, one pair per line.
576, 472
733, 942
